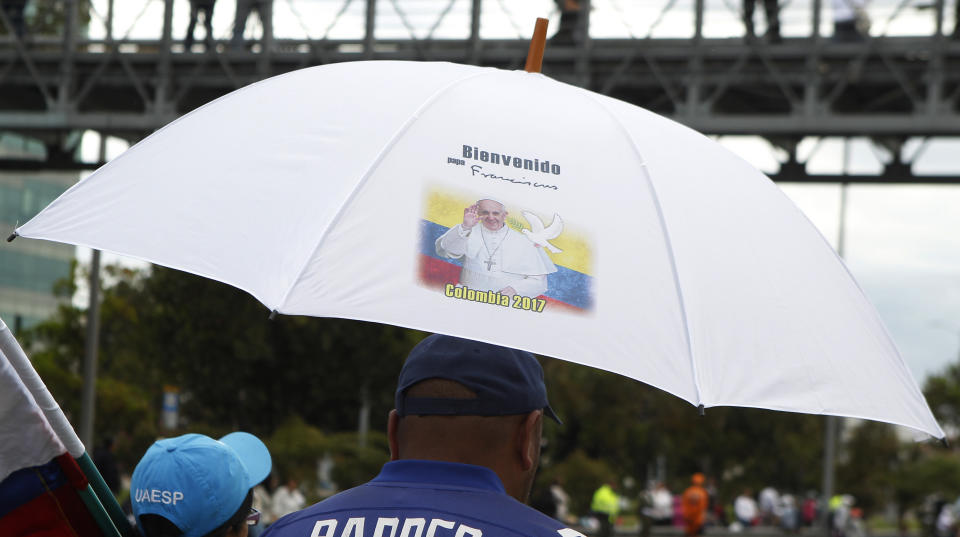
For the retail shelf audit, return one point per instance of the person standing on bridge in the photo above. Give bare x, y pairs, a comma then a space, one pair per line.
196, 7
567, 31
850, 20
264, 9
956, 22
771, 9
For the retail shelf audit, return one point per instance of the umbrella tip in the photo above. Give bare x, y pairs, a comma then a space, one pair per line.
944, 442
12, 236
700, 409
273, 315
537, 45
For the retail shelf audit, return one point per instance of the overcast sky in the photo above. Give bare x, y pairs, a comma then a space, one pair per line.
901, 242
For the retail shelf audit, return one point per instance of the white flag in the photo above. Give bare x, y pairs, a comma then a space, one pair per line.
26, 437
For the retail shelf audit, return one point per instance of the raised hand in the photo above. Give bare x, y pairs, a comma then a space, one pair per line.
470, 217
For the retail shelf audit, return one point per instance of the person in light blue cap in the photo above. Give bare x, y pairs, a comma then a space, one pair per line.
195, 486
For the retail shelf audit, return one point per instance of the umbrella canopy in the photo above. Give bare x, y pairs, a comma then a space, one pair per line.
510, 208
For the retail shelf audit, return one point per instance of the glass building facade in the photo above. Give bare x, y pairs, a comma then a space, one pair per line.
29, 268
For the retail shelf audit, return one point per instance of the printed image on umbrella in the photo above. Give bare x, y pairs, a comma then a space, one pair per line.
696, 274
482, 266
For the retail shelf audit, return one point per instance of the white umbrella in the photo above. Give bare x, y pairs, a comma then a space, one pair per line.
668, 259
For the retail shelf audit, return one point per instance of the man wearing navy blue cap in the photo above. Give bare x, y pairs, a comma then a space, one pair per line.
195, 486
464, 448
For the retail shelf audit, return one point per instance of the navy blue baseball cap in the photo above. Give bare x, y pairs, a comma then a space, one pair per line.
196, 482
506, 381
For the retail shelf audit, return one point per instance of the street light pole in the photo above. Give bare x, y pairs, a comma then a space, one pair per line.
89, 394
832, 423
90, 355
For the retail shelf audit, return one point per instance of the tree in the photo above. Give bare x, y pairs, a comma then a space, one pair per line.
871, 462
243, 371
47, 18
626, 425
928, 472
943, 395
300, 380
235, 369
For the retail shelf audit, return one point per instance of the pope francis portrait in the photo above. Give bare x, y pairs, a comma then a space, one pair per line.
495, 257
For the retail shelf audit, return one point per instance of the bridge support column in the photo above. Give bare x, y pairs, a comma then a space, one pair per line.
475, 43
161, 105
64, 103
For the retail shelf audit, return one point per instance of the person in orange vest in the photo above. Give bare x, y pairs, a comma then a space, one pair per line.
694, 506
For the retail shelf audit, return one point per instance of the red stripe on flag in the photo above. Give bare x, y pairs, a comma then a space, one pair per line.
73, 472
55, 513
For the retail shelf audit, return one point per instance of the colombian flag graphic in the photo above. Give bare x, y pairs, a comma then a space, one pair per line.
569, 288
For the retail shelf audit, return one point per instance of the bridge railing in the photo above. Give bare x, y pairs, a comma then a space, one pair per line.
133, 22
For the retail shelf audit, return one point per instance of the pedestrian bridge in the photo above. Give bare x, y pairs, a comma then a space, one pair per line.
888, 88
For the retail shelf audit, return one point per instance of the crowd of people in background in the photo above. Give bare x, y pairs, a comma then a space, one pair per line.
489, 417
699, 507
696, 509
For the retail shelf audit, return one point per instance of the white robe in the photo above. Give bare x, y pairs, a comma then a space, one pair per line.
495, 260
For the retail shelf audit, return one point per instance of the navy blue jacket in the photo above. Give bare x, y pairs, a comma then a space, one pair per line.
413, 498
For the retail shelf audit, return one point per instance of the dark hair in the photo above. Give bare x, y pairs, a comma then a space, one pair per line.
160, 526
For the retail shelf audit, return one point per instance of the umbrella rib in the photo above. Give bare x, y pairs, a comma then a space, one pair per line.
369, 171
667, 242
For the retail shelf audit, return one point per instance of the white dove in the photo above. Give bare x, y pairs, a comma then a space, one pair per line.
540, 236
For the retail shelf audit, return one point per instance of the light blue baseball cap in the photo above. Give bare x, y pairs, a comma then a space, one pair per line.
197, 482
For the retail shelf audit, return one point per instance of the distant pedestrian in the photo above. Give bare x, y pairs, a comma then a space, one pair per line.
264, 9
662, 505
715, 512
956, 21
771, 10
196, 8
605, 506
745, 508
808, 510
262, 502
839, 516
769, 505
850, 20
694, 506
656, 506
287, 499
570, 11
561, 500
789, 514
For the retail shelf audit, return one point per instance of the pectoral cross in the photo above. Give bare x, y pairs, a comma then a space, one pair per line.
490, 262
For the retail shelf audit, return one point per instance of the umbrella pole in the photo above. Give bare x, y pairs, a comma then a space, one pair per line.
537, 45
